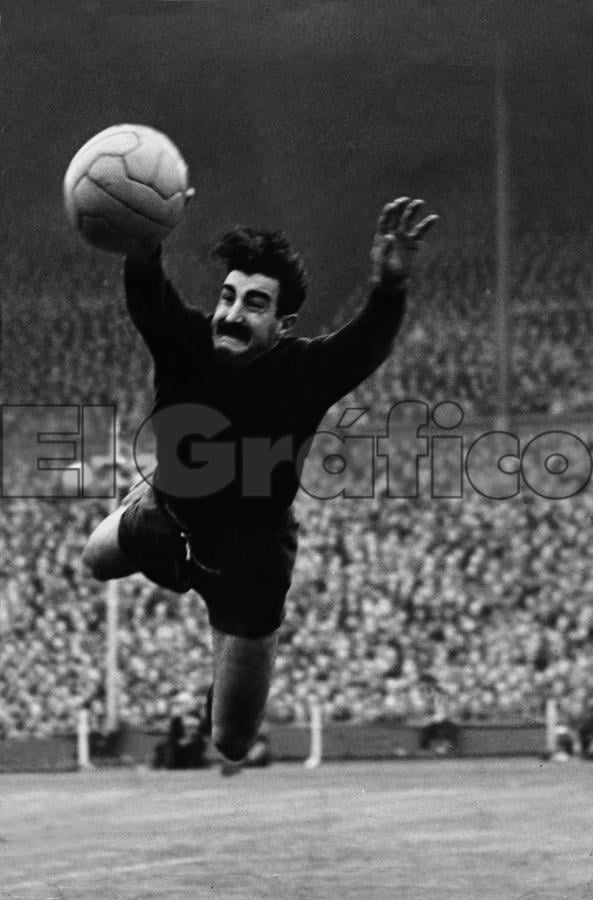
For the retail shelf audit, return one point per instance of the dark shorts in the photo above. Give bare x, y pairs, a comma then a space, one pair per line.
243, 572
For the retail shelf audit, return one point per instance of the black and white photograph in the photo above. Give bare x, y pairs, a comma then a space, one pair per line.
296, 436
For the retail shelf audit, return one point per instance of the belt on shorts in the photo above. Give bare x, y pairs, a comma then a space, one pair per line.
186, 535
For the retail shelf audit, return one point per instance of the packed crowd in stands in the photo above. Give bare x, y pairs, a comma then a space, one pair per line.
487, 600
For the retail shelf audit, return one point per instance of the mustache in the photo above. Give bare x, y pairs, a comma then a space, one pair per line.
237, 331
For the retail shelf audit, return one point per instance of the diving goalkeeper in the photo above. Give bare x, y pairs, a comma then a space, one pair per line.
237, 399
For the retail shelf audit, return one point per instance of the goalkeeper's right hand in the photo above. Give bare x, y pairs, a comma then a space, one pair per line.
143, 252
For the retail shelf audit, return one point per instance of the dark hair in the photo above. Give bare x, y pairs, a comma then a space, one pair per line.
269, 253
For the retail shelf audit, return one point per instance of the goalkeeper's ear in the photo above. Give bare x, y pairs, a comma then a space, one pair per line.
287, 323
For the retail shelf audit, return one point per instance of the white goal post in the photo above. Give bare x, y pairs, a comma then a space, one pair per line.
316, 735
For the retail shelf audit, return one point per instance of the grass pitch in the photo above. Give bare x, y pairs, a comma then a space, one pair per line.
410, 830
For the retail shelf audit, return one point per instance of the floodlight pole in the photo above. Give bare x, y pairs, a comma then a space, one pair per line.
111, 667
112, 621
502, 238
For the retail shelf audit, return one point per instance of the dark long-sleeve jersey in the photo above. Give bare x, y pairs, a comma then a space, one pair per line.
264, 412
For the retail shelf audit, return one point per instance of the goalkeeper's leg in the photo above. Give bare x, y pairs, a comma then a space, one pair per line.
140, 536
102, 555
243, 670
246, 609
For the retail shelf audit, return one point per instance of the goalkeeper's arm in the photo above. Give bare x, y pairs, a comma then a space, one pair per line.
153, 303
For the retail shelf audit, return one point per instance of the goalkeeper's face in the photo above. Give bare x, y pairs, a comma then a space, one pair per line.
245, 324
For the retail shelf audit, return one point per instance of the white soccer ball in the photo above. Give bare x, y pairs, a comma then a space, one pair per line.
126, 186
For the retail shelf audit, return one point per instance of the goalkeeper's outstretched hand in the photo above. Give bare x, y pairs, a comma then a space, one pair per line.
398, 236
143, 252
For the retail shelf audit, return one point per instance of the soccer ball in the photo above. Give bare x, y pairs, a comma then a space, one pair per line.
126, 187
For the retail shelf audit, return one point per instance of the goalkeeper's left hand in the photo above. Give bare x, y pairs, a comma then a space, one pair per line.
397, 239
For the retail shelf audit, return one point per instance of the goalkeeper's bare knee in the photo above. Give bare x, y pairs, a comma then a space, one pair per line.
102, 556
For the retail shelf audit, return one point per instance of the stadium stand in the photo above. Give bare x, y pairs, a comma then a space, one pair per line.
487, 602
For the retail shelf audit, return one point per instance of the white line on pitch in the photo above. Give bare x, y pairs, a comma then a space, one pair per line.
92, 873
